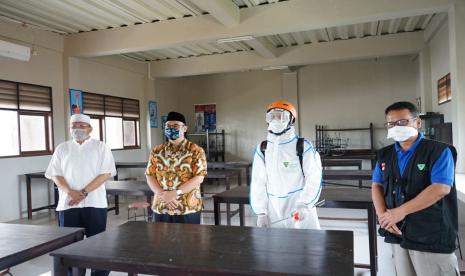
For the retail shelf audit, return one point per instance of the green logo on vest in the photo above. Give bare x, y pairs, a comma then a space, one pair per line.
285, 163
421, 166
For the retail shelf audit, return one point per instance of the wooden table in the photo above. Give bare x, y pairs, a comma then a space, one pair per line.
354, 154
233, 165
188, 249
128, 165
359, 175
342, 163
334, 198
20, 243
128, 189
141, 188
29, 177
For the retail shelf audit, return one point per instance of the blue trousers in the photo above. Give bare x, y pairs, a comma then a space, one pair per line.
93, 220
190, 218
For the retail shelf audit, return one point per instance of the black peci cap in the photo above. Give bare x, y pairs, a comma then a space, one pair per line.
175, 116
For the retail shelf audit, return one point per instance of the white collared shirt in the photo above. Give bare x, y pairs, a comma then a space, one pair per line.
79, 165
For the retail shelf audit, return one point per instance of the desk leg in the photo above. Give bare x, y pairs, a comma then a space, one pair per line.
360, 185
228, 206
149, 208
55, 194
29, 197
247, 175
58, 267
216, 211
239, 178
116, 204
241, 214
372, 239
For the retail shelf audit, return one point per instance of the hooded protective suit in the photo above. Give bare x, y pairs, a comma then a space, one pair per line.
278, 185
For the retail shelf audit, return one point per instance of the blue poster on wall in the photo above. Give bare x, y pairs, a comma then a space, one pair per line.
75, 101
153, 114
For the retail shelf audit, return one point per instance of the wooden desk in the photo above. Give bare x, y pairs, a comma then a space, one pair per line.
359, 175
128, 165
233, 165
188, 249
29, 177
334, 198
141, 188
20, 243
354, 154
342, 163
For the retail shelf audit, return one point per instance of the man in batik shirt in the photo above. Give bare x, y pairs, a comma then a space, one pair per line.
174, 173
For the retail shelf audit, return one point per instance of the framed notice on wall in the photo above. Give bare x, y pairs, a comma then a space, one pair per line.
153, 114
205, 117
444, 90
75, 101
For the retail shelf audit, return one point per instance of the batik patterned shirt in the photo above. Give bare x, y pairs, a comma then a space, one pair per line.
172, 166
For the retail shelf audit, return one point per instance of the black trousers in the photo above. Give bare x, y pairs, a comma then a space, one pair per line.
93, 220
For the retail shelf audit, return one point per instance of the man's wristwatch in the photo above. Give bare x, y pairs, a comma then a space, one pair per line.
179, 192
84, 192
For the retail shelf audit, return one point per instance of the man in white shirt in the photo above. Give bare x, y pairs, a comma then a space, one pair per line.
80, 168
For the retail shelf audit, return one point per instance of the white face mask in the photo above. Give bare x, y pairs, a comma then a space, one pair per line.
79, 134
277, 126
401, 133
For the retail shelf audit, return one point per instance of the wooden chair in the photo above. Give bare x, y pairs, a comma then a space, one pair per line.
135, 206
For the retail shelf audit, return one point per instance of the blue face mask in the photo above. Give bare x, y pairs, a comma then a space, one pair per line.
172, 133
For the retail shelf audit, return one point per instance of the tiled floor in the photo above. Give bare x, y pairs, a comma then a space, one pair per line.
43, 265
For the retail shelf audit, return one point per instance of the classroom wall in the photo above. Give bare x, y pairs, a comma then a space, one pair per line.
241, 99
326, 93
117, 77
353, 94
440, 66
45, 68
50, 67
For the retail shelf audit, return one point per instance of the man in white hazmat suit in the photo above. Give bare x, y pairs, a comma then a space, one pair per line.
285, 186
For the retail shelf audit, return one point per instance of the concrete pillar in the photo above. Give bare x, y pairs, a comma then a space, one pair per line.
457, 66
289, 92
425, 80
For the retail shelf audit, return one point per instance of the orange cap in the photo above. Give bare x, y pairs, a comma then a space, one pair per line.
283, 105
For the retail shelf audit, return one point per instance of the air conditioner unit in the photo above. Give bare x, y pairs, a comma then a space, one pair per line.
14, 51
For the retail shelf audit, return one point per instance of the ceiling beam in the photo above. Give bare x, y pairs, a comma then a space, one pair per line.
335, 51
278, 18
225, 11
262, 47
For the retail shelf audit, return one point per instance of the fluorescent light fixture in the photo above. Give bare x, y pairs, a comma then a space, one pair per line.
14, 51
280, 67
235, 39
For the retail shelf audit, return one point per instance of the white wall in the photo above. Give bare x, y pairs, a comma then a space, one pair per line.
45, 68
241, 99
353, 94
107, 75
117, 77
346, 94
440, 66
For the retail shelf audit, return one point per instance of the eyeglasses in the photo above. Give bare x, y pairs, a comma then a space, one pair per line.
401, 122
176, 126
278, 114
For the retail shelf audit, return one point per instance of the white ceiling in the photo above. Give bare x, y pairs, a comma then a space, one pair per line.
74, 16
376, 28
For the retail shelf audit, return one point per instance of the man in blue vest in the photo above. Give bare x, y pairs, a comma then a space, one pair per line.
415, 196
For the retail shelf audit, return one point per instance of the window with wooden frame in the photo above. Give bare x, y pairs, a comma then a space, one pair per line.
114, 120
26, 114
